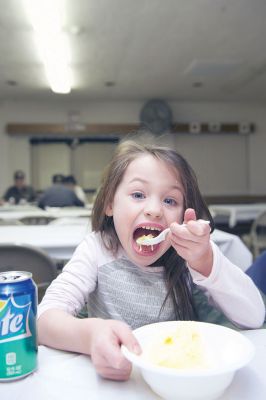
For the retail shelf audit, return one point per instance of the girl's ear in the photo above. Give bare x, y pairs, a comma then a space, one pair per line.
109, 210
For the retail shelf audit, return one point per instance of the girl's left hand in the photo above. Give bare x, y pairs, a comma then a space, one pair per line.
192, 242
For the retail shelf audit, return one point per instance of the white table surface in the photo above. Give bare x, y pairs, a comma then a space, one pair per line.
69, 376
237, 212
18, 212
60, 241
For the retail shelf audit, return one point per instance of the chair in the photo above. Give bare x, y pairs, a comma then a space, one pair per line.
36, 220
256, 239
257, 272
18, 257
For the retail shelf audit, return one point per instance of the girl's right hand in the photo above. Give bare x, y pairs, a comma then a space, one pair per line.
106, 338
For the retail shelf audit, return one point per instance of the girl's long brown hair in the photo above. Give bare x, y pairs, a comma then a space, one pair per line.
178, 280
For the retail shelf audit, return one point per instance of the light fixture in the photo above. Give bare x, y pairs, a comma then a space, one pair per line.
194, 127
245, 128
46, 17
214, 127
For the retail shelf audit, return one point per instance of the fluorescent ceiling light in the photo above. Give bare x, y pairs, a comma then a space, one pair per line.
46, 17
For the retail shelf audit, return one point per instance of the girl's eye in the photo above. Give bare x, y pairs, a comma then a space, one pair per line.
170, 202
137, 195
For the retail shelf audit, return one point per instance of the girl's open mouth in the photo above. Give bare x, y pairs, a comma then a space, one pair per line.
142, 233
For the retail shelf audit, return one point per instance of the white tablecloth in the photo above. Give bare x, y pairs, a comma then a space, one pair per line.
69, 376
60, 241
237, 212
18, 212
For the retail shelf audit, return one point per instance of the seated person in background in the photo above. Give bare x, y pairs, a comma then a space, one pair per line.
70, 181
58, 195
20, 192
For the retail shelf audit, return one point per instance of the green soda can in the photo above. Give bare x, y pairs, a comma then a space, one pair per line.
18, 336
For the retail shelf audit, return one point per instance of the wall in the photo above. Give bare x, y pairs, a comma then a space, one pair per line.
225, 164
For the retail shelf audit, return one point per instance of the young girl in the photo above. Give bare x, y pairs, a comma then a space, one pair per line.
145, 189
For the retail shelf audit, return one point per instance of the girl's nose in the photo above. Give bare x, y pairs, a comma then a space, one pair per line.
153, 209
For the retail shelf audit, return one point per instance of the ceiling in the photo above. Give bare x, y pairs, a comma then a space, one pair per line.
177, 50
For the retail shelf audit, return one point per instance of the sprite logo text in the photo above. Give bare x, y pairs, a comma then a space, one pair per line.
14, 320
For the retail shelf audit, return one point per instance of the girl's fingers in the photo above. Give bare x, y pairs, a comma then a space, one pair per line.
189, 215
127, 338
114, 374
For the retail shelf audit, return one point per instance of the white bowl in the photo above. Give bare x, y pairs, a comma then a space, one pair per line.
226, 349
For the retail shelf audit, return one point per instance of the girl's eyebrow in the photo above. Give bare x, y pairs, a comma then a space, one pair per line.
133, 180
141, 180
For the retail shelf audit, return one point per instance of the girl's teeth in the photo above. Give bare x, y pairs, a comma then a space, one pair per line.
140, 247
